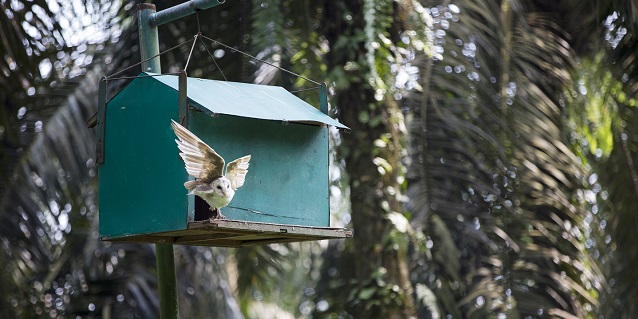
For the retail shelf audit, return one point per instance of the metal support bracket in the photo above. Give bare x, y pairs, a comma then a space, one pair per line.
323, 98
101, 118
148, 20
181, 10
182, 99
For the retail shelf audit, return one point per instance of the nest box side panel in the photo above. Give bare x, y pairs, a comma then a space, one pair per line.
140, 181
287, 181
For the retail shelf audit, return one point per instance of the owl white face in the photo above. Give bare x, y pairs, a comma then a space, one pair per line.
222, 188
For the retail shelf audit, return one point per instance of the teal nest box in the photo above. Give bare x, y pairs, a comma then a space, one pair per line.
141, 175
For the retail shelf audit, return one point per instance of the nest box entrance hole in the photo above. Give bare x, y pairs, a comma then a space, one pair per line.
202, 210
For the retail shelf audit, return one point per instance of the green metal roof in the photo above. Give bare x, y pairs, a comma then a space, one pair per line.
249, 100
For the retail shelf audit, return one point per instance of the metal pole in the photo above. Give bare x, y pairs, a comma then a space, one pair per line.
166, 281
148, 20
164, 256
182, 10
149, 40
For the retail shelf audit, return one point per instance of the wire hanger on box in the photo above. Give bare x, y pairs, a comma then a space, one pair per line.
200, 37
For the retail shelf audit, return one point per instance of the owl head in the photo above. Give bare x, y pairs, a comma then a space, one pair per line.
221, 187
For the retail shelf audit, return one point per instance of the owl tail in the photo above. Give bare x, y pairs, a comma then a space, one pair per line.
190, 185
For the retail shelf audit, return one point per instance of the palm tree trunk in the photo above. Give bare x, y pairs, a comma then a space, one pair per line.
372, 152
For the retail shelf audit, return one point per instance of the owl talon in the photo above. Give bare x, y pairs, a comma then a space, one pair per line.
217, 214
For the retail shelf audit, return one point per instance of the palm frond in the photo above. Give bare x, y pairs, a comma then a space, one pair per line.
43, 63
492, 161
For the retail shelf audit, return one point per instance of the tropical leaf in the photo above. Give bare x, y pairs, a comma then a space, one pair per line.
490, 159
41, 66
603, 109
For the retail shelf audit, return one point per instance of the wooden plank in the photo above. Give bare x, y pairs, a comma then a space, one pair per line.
141, 239
238, 225
192, 240
232, 233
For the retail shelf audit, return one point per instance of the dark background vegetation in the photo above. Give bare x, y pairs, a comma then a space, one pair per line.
490, 171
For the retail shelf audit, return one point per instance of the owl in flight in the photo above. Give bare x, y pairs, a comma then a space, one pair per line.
207, 167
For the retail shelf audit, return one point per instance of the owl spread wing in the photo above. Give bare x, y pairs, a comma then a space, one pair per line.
237, 170
201, 161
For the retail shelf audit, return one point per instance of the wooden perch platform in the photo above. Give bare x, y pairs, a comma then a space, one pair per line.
233, 233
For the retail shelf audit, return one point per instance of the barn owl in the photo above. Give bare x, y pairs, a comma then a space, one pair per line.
207, 167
